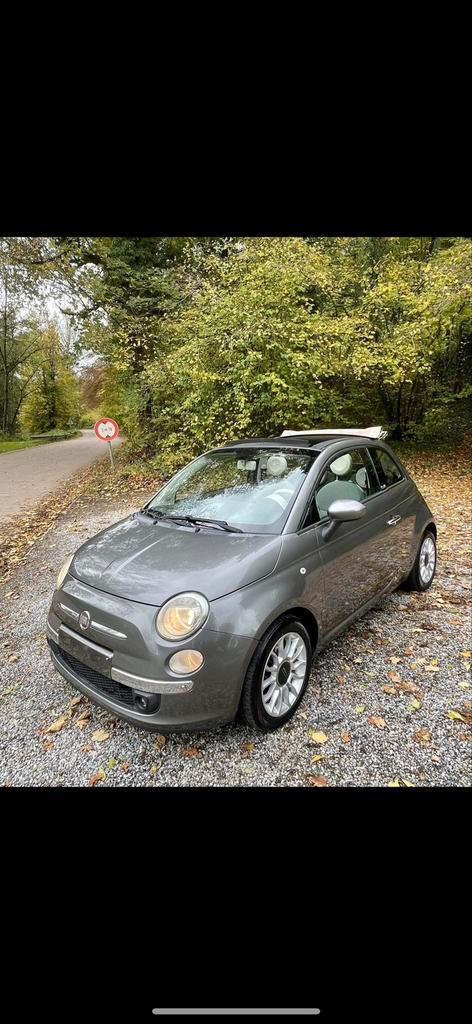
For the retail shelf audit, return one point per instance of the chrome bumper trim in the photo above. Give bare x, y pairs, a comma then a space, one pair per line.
126, 678
152, 685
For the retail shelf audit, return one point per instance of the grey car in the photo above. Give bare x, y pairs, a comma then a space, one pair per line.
215, 596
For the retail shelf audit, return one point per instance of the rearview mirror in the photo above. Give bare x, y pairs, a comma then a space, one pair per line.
345, 510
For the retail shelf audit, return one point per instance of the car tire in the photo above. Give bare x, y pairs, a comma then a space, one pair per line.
261, 690
421, 575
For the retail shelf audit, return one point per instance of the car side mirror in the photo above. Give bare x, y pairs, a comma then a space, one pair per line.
343, 511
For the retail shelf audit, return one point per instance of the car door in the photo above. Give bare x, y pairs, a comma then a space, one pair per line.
354, 564
398, 501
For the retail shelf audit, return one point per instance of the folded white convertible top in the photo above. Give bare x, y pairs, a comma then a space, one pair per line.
377, 433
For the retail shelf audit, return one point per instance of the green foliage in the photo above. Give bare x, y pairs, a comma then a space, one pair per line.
54, 398
201, 340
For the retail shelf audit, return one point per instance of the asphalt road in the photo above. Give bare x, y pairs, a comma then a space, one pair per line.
28, 475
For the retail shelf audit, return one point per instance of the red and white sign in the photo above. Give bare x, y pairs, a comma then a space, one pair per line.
106, 429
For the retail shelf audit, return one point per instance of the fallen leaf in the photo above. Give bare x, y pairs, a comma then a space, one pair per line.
389, 689
75, 701
409, 652
317, 780
317, 757
422, 736
432, 668
455, 716
125, 767
87, 747
414, 706
247, 749
191, 752
99, 776
395, 660
318, 737
48, 744
379, 723
466, 654
360, 709
81, 720
160, 741
56, 726
410, 785
346, 738
112, 762
409, 688
100, 735
154, 769
395, 784
14, 657
394, 677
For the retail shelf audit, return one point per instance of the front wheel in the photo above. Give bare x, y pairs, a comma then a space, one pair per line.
423, 571
277, 676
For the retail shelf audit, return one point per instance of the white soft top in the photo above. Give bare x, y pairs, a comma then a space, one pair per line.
377, 433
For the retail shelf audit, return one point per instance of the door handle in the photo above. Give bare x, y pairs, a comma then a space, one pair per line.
393, 521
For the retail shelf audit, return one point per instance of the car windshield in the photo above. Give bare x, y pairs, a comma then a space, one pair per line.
252, 489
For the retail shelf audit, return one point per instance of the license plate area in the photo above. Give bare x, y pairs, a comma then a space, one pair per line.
96, 657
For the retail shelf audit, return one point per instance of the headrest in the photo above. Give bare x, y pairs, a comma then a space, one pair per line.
341, 466
361, 478
276, 465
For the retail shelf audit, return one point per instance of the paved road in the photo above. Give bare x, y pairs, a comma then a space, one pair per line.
29, 475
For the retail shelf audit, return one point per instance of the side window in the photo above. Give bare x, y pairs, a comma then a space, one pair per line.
387, 469
350, 475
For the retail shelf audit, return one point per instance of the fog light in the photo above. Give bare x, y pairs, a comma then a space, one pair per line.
186, 661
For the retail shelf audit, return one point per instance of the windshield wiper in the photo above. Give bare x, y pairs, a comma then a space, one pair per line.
192, 520
223, 525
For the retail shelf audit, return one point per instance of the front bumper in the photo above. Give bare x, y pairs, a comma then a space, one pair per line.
122, 656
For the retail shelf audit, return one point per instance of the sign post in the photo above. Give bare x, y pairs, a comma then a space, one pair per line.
107, 429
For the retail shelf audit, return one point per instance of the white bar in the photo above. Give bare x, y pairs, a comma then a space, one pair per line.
311, 1012
374, 432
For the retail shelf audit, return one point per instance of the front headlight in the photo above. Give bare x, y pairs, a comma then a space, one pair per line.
182, 616
63, 572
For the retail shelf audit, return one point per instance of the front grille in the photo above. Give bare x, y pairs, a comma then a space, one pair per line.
102, 684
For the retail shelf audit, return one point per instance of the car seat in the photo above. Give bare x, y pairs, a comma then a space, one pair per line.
341, 488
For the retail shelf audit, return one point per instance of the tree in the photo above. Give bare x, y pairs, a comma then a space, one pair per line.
54, 400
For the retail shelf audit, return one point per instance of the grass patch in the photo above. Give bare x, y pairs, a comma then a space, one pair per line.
14, 446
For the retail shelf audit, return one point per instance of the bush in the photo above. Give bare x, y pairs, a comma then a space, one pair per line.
444, 424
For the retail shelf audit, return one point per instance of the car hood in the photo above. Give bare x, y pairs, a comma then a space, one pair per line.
149, 561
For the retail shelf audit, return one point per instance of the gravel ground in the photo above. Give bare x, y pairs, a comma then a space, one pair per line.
403, 664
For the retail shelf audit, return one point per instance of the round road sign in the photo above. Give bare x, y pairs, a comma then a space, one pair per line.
106, 429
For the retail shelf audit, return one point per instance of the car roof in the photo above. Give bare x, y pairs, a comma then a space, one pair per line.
314, 441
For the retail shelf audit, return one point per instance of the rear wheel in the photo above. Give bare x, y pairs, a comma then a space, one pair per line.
423, 571
277, 676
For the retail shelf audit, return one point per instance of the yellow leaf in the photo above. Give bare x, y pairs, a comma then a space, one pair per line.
410, 785
317, 757
360, 709
466, 654
56, 726
318, 737
100, 735
394, 785
455, 716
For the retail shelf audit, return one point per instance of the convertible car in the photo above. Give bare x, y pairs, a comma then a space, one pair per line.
215, 597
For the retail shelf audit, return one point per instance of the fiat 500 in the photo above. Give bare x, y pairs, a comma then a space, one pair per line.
215, 596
